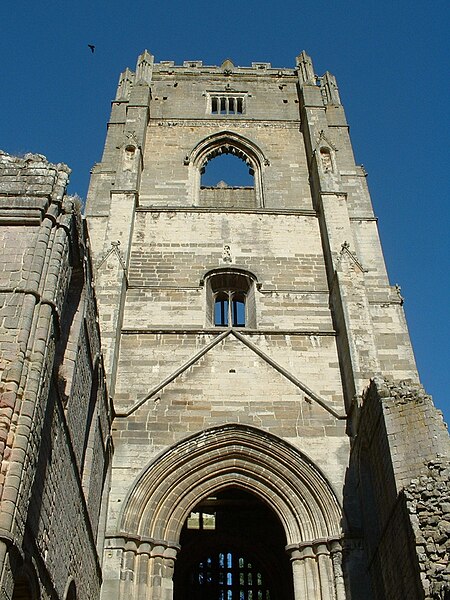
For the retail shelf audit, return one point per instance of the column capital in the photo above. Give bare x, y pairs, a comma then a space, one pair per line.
313, 548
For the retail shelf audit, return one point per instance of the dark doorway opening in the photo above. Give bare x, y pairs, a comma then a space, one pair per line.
22, 590
232, 548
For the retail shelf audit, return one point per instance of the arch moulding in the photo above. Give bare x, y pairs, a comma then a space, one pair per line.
231, 455
226, 142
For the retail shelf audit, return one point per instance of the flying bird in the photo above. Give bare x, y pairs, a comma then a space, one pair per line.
92, 47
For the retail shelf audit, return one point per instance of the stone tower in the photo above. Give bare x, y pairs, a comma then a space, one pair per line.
241, 327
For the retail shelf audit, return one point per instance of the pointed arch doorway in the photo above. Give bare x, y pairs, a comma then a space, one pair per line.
245, 472
232, 548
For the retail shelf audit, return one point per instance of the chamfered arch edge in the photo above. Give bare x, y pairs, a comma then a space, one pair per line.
282, 476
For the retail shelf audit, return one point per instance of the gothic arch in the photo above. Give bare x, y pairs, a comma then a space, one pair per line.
227, 142
231, 455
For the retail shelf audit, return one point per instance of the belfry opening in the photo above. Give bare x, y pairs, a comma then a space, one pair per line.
227, 168
232, 548
227, 179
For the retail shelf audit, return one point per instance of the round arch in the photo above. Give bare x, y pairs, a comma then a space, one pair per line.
239, 456
227, 142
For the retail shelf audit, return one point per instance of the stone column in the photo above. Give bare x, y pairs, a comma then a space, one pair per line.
336, 556
317, 570
161, 567
138, 569
142, 571
128, 568
326, 574
299, 576
305, 574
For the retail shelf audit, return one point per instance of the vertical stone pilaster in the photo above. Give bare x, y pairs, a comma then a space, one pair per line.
112, 212
314, 575
141, 570
327, 584
111, 277
356, 337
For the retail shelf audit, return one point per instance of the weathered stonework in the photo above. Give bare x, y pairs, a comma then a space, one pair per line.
399, 475
302, 251
428, 502
271, 438
54, 411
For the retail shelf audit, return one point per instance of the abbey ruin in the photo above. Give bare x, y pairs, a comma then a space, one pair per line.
208, 391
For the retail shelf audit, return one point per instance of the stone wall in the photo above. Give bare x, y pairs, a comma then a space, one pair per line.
399, 473
54, 410
428, 503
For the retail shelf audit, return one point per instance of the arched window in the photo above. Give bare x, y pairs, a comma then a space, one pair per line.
224, 194
230, 298
228, 575
227, 180
229, 168
71, 591
229, 309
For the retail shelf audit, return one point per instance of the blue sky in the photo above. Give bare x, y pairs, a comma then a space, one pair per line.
391, 60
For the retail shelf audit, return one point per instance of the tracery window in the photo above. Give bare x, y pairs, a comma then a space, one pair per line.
229, 309
227, 575
235, 146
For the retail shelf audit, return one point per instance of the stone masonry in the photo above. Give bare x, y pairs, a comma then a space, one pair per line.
271, 437
300, 249
400, 463
55, 414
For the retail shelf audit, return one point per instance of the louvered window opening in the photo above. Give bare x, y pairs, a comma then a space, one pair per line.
227, 105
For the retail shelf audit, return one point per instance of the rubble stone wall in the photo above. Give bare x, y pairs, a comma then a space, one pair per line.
401, 456
428, 503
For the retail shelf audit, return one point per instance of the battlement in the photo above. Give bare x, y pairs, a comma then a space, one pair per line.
226, 68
